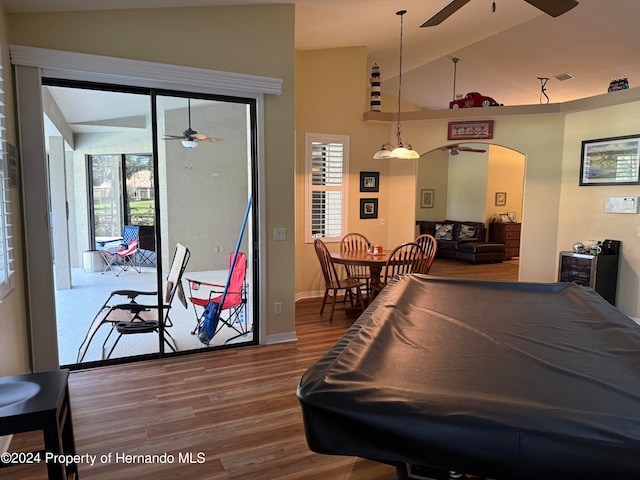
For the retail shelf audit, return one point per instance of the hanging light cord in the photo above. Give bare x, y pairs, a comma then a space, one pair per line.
398, 139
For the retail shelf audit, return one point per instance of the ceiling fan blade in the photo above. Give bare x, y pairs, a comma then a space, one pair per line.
446, 12
209, 139
467, 149
173, 137
555, 8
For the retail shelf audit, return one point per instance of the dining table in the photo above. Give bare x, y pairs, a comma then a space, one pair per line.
374, 262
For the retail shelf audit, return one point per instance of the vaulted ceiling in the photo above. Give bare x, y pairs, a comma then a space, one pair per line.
501, 53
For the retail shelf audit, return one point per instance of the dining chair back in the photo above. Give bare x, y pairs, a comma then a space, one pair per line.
333, 284
405, 258
352, 242
429, 248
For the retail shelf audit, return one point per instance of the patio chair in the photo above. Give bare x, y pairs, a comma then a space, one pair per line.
333, 283
235, 301
126, 252
124, 313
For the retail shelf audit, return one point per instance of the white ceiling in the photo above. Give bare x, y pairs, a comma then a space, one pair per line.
501, 54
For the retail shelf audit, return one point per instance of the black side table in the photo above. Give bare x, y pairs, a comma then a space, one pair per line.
40, 401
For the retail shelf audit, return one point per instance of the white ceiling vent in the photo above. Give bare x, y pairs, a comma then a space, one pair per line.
563, 76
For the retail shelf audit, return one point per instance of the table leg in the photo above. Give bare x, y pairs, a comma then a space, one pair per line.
375, 271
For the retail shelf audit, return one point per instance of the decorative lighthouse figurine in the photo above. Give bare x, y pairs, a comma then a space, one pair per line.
376, 102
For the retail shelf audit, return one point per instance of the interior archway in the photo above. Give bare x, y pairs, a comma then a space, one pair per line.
471, 181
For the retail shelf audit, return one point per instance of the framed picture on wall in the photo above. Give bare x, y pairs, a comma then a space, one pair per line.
477, 130
610, 161
369, 181
426, 198
501, 199
368, 208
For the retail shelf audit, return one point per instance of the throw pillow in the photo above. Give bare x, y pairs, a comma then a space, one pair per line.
467, 232
444, 231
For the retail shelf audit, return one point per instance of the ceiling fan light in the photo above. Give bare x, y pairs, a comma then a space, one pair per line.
189, 143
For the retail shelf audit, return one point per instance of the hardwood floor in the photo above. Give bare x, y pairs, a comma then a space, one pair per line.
237, 408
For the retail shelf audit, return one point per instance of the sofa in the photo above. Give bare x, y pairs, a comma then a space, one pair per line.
462, 240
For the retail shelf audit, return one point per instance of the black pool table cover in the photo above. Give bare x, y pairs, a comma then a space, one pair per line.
505, 380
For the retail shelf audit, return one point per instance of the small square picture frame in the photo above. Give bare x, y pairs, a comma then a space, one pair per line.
368, 208
501, 199
426, 197
512, 216
369, 181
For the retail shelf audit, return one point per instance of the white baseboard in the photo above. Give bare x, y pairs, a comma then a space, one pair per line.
282, 338
306, 295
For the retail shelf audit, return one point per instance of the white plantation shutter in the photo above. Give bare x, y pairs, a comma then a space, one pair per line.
6, 240
326, 183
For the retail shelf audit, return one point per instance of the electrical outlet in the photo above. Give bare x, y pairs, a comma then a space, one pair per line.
382, 222
277, 308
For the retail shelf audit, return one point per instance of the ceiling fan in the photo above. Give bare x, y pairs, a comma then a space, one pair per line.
190, 137
555, 8
456, 149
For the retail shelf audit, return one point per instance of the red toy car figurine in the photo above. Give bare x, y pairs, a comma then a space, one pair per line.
474, 99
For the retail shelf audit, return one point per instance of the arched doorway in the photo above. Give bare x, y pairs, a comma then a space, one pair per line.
474, 182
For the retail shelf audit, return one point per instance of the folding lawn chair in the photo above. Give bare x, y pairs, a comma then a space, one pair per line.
123, 312
235, 301
125, 255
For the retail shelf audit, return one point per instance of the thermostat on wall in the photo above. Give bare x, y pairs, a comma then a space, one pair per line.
621, 205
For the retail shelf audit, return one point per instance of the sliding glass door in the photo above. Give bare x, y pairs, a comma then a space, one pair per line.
178, 167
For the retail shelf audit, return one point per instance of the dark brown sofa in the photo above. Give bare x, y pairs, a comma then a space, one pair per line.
462, 240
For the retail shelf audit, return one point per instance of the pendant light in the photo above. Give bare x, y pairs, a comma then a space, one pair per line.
400, 149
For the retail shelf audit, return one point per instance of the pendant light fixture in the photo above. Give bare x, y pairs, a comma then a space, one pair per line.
400, 149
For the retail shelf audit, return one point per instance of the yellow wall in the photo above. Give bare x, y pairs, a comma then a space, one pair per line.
255, 40
14, 343
331, 95
506, 174
582, 208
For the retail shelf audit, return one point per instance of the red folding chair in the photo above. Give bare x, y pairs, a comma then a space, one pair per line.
235, 302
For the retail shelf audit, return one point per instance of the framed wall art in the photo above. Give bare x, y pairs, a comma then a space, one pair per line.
369, 181
368, 208
426, 198
482, 129
610, 161
501, 199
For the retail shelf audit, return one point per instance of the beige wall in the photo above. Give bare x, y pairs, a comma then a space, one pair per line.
331, 95
256, 40
14, 343
582, 208
433, 174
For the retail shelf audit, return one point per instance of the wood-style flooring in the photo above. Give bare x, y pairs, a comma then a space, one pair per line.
233, 410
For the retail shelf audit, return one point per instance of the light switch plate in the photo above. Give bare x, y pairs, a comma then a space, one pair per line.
280, 234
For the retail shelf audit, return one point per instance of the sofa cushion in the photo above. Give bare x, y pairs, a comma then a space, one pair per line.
468, 232
444, 231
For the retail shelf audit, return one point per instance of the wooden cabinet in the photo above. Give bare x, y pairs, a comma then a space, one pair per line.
599, 272
509, 234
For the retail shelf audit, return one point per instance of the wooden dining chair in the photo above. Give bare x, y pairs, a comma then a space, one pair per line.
357, 242
429, 246
406, 258
349, 286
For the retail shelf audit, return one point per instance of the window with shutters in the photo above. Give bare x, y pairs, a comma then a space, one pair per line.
326, 173
6, 251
